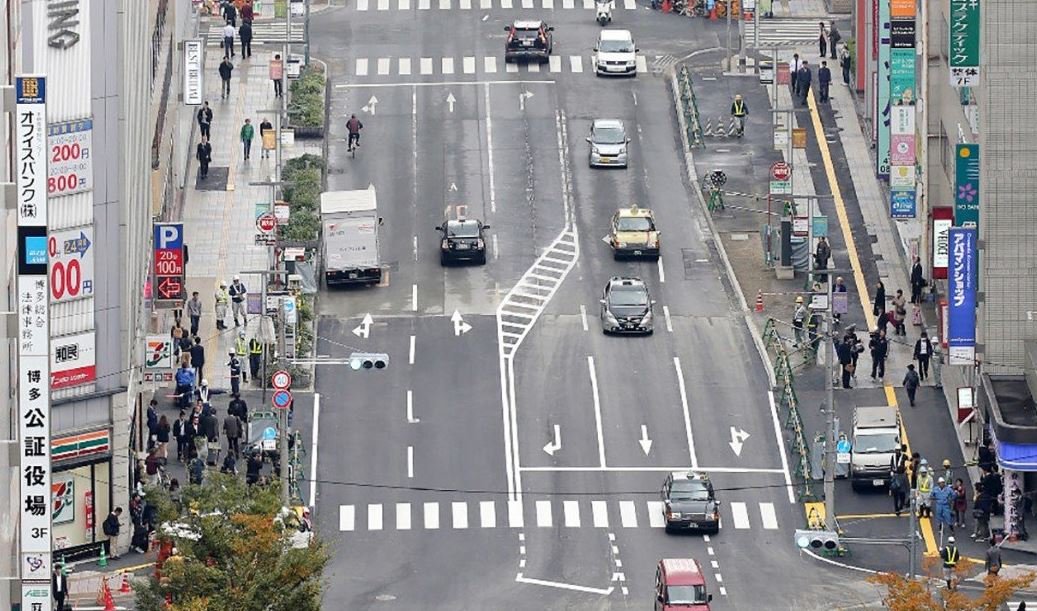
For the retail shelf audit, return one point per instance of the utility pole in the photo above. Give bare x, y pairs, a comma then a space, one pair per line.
306, 33
831, 434
913, 534
729, 51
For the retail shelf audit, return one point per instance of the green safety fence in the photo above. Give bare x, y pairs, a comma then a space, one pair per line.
788, 403
691, 108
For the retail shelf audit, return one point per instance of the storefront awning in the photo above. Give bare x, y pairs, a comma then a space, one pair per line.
1017, 456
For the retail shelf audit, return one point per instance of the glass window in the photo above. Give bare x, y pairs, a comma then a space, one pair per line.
629, 296
616, 46
686, 595
689, 491
634, 223
609, 135
468, 229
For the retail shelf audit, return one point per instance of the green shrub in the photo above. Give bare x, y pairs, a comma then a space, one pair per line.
296, 164
303, 188
306, 105
303, 225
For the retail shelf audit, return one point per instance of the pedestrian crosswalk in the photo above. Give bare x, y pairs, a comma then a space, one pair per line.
263, 32
788, 32
582, 513
488, 65
479, 5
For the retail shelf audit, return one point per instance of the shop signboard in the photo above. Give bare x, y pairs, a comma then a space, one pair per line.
961, 296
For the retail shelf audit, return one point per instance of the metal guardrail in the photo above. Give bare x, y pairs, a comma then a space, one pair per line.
691, 108
789, 405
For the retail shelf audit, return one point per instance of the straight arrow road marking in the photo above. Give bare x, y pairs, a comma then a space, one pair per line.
646, 443
371, 104
450, 99
525, 95
460, 326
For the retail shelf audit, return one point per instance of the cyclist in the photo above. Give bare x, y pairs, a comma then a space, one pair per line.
739, 110
354, 126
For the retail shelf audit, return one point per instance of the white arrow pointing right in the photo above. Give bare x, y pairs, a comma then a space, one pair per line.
555, 444
460, 326
646, 443
525, 95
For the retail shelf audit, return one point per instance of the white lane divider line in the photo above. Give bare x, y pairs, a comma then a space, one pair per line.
740, 515
543, 514
722, 590
459, 511
410, 355
487, 514
714, 564
662, 271
669, 321
313, 451
515, 514
496, 247
583, 317
769, 517
600, 511
627, 514
687, 413
374, 516
780, 437
618, 576
414, 297
597, 411
410, 462
346, 518
402, 516
431, 512
655, 514
425, 65
571, 510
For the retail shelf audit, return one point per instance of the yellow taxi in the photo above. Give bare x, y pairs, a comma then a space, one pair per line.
633, 233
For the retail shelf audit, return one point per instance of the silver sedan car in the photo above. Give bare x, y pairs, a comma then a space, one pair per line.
609, 143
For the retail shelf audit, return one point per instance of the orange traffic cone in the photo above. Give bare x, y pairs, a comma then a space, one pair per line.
667, 6
105, 597
759, 301
125, 587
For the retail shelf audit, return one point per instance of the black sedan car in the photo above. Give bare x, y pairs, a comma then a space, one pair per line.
689, 502
462, 240
626, 307
528, 40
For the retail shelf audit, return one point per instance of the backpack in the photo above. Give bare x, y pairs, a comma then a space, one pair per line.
108, 527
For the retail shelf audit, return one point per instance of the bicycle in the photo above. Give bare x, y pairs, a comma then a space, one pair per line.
353, 138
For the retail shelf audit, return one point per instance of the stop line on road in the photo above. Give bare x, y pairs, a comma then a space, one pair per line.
484, 5
490, 64
462, 515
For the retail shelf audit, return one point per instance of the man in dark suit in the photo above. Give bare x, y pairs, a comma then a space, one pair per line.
803, 79
59, 586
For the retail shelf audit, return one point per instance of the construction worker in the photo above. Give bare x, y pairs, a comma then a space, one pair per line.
235, 373
925, 491
799, 318
238, 294
255, 356
241, 351
949, 554
222, 302
739, 110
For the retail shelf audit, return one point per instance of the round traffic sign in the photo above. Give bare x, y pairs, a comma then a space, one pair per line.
281, 379
717, 178
780, 170
281, 399
266, 223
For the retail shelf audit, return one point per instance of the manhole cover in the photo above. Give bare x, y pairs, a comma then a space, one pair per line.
385, 598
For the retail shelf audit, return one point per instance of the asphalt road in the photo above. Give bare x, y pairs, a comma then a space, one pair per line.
434, 484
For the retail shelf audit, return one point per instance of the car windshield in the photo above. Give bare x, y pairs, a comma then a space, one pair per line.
462, 230
689, 491
629, 296
609, 135
634, 223
686, 595
882, 443
616, 46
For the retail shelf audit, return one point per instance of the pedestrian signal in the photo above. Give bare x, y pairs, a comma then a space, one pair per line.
368, 360
820, 540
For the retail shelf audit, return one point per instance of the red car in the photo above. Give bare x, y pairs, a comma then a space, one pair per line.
680, 585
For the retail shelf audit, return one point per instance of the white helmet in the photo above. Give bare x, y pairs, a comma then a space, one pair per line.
205, 382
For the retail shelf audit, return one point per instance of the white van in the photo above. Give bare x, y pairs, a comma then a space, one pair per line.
615, 53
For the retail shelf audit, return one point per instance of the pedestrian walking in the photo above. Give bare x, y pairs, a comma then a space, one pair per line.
226, 69
241, 352
794, 74
943, 504
878, 303
180, 434
799, 318
879, 347
987, 458
162, 442
239, 408
194, 312
245, 36
235, 373
834, 36
247, 133
247, 14
911, 383
992, 559
205, 119
822, 41
840, 287
204, 154
950, 556
899, 489
59, 585
229, 32
924, 490
232, 429
739, 110
845, 62
824, 79
264, 127
111, 527
152, 422
184, 381
255, 356
198, 358
899, 313
222, 299
982, 506
961, 502
923, 352
917, 281
230, 12
805, 77
858, 350
238, 295
277, 75
177, 334
844, 350
822, 254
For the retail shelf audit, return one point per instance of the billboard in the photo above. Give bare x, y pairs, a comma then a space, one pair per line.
72, 360
168, 259
883, 94
71, 255
961, 296
966, 185
943, 220
963, 40
71, 161
193, 73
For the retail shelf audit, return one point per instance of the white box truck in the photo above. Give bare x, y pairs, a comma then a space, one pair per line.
349, 237
876, 437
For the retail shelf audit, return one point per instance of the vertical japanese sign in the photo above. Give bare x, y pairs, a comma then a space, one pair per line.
193, 75
963, 39
33, 339
961, 307
882, 117
966, 185
169, 265
943, 220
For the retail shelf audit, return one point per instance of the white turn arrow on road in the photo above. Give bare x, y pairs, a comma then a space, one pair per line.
738, 437
370, 106
646, 443
460, 326
555, 444
525, 95
364, 328
450, 99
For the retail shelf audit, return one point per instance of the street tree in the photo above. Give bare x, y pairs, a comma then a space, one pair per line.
930, 593
234, 550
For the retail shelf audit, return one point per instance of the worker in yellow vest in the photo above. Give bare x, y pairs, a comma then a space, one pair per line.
739, 110
925, 491
950, 556
255, 356
222, 302
240, 351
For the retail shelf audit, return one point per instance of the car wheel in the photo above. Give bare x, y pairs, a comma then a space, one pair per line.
481, 260
616, 256
650, 332
715, 531
669, 529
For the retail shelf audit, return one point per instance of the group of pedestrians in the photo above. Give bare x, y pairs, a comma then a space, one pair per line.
802, 75
246, 134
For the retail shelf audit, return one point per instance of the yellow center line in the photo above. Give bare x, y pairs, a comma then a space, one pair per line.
925, 524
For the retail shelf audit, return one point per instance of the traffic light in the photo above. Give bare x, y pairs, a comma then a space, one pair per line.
368, 360
824, 541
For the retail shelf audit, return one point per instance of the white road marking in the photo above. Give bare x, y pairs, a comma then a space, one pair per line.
402, 516
709, 550
404, 5
431, 511
515, 514
511, 67
468, 64
374, 516
629, 4
588, 4
485, 4
313, 451
414, 297
466, 5
642, 63
444, 5
448, 65
505, 3
719, 578
571, 509
655, 514
415, 248
770, 518
361, 66
489, 64
597, 410
487, 514
662, 271
459, 510
705, 539
567, 3
535, 67
576, 63
627, 514
714, 564
654, 469
425, 65
410, 408
555, 62
543, 514
423, 5
669, 321
489, 150
474, 82
549, 4
383, 65
687, 413
361, 5
563, 586
527, 4
410, 461
600, 511
740, 515
346, 518
410, 357
496, 247
781, 448
583, 317
722, 590
405, 66
383, 5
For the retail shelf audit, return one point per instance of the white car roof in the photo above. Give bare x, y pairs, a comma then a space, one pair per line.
608, 124
616, 35
528, 24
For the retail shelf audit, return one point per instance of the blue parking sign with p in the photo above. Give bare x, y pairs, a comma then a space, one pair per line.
169, 235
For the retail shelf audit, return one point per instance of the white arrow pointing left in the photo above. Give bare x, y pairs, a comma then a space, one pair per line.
738, 437
364, 328
370, 106
460, 326
556, 443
